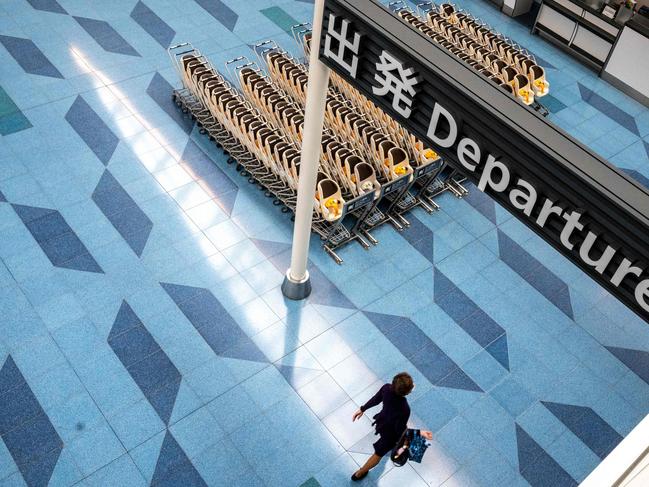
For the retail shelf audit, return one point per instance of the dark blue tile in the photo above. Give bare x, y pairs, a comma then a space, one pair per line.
552, 104
63, 248
30, 57
134, 227
173, 467
481, 202
30, 213
386, 323
482, 328
225, 200
221, 12
324, 291
609, 109
160, 91
209, 176
420, 237
146, 362
515, 256
47, 227
500, 351
32, 440
456, 304
27, 432
218, 337
154, 25
57, 240
561, 299
537, 466
196, 162
458, 379
83, 262
164, 398
185, 475
123, 213
442, 285
433, 363
547, 283
213, 322
201, 311
153, 372
39, 472
636, 360
133, 345
298, 376
422, 352
126, 320
588, 426
110, 196
19, 406
10, 376
244, 349
270, 248
180, 293
536, 274
409, 341
215, 183
48, 6
92, 129
107, 37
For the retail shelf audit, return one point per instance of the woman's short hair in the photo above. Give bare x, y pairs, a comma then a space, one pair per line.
402, 384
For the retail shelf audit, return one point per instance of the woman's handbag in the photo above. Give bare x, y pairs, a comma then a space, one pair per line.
415, 449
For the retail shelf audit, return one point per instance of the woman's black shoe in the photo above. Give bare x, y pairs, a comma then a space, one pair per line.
356, 479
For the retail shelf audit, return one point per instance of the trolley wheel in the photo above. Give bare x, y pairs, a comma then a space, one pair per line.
276, 202
238, 168
244, 173
230, 160
293, 218
202, 131
185, 110
285, 209
218, 146
252, 180
268, 194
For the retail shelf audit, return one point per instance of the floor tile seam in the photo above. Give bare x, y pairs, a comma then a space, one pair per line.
317, 360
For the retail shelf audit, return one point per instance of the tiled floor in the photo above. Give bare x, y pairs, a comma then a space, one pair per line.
143, 335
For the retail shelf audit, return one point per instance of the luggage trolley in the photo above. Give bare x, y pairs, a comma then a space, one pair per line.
334, 234
189, 103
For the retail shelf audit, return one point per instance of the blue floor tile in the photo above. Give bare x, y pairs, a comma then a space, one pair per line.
504, 340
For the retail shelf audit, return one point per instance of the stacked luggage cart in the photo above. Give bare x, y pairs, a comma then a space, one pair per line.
495, 56
371, 170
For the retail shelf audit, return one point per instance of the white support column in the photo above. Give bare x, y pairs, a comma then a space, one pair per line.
296, 283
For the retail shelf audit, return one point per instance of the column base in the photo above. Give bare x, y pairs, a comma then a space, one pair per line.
296, 290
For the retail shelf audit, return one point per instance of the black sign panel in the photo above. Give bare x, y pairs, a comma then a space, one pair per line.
584, 207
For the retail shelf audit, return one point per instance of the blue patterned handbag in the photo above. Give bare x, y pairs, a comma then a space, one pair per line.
417, 448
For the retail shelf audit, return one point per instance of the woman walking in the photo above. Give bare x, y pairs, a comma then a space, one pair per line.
390, 422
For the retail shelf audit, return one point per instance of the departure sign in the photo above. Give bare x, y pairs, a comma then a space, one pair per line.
587, 209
